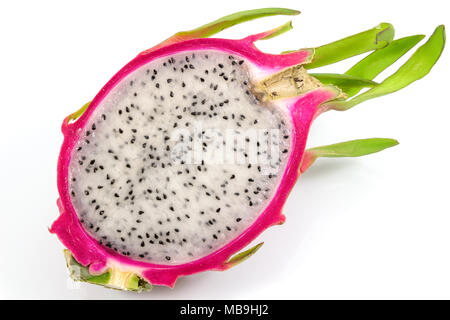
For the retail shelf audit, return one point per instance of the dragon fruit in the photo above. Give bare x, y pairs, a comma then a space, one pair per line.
189, 152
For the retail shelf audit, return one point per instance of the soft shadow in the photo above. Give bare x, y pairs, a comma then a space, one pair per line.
324, 167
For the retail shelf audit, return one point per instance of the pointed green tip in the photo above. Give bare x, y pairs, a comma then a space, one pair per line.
223, 23
242, 256
354, 148
228, 21
74, 116
279, 30
394, 142
419, 37
441, 29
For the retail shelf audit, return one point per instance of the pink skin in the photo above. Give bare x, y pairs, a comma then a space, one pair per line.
87, 251
308, 160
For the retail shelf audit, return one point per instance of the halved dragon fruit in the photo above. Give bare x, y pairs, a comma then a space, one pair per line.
188, 153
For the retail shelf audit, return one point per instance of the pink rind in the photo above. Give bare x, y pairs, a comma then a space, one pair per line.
87, 251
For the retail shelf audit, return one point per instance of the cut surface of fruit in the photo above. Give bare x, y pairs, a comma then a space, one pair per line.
135, 183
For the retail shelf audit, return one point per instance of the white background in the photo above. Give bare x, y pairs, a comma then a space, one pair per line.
372, 227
